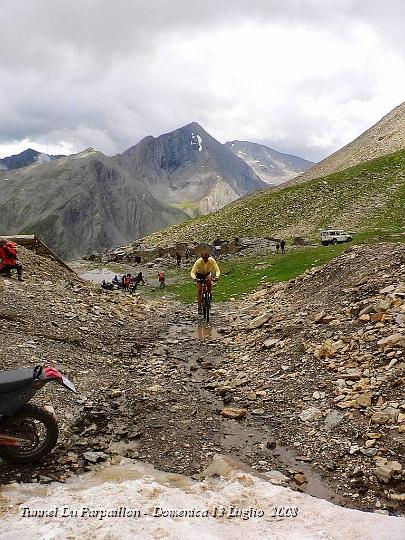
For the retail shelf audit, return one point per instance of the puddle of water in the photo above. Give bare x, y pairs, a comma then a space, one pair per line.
315, 486
206, 331
98, 275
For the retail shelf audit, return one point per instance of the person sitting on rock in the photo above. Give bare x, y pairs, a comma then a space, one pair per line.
8, 259
115, 281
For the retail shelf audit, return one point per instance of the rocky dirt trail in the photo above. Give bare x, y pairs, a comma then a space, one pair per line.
260, 386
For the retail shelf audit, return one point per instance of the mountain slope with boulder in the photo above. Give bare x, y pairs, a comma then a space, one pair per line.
323, 360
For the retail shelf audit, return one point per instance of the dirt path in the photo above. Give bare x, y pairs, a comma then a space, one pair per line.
193, 354
153, 383
150, 396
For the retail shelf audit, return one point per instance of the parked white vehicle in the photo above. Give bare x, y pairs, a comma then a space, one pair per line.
334, 236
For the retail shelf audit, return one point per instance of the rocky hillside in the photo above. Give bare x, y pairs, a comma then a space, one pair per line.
324, 363
271, 166
80, 203
367, 198
385, 137
190, 169
28, 157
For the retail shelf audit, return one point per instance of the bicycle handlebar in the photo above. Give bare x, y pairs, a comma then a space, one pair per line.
213, 280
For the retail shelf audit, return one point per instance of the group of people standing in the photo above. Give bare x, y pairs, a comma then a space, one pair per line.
127, 282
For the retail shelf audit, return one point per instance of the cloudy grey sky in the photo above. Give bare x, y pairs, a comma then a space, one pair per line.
302, 76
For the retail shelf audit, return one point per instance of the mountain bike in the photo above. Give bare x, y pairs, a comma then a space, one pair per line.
206, 299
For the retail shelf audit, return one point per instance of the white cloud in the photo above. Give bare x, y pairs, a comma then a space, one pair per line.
105, 74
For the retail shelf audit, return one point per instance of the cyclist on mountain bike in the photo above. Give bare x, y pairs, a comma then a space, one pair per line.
202, 271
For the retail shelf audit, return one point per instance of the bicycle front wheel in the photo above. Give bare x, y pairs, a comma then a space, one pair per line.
206, 306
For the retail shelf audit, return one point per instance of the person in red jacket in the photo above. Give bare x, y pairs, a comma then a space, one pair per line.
161, 278
8, 259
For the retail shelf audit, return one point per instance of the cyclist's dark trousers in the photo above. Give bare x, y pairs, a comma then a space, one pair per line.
8, 267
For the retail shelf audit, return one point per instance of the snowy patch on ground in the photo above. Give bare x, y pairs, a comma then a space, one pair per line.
133, 500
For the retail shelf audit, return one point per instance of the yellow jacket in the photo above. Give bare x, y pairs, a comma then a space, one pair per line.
201, 267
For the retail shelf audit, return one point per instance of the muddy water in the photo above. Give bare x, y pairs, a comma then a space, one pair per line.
97, 275
205, 331
190, 332
315, 486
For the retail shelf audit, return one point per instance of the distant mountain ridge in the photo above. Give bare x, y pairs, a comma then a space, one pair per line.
81, 203
270, 166
25, 158
89, 202
384, 137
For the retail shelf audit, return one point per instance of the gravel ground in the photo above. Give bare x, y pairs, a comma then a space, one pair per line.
157, 385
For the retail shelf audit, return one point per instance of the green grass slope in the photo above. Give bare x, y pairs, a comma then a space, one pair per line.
242, 275
368, 198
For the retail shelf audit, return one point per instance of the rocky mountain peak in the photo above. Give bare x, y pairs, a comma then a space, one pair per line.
25, 158
195, 126
270, 165
85, 153
189, 168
